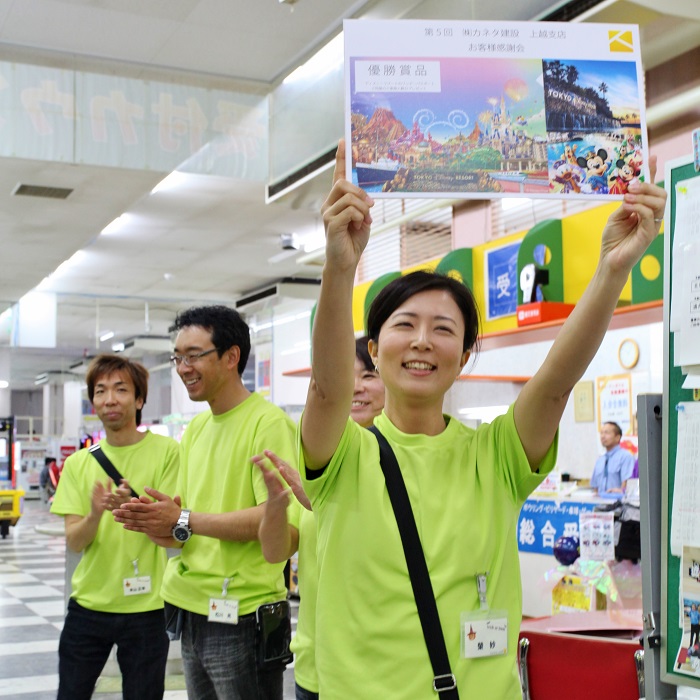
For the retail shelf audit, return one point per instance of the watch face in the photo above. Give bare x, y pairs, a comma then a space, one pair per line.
181, 533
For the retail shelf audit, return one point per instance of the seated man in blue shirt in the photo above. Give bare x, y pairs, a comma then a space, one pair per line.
613, 468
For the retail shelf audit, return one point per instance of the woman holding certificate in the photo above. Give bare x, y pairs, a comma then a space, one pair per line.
459, 490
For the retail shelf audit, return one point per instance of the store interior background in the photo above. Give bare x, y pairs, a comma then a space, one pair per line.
152, 228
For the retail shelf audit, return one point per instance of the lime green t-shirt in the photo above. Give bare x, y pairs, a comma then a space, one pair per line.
303, 643
217, 476
98, 581
466, 489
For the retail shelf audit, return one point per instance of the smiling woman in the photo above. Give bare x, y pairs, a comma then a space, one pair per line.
464, 487
421, 330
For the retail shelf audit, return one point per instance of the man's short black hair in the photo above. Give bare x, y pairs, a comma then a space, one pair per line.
618, 429
226, 326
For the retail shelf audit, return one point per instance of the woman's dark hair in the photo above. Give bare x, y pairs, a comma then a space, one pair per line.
362, 353
403, 288
226, 326
104, 365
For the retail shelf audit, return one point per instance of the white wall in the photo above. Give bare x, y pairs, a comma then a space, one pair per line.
578, 442
72, 409
291, 350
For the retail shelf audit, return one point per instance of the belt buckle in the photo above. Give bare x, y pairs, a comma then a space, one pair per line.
444, 682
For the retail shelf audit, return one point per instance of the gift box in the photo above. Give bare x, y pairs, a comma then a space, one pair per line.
576, 594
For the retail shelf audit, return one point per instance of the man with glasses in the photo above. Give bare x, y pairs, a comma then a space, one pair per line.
216, 583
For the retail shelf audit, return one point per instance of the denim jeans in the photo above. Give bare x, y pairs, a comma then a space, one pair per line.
87, 639
303, 694
220, 661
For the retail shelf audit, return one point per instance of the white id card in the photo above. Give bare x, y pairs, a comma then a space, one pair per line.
223, 610
137, 585
484, 634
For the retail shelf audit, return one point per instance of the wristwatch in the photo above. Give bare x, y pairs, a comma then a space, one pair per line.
181, 530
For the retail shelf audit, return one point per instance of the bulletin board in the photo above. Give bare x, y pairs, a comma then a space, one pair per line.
674, 394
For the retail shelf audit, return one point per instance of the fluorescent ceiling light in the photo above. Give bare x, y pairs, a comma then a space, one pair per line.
174, 181
280, 321
323, 61
116, 225
75, 259
106, 336
4, 384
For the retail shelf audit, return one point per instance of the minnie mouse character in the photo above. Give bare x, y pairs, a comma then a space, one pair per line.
626, 172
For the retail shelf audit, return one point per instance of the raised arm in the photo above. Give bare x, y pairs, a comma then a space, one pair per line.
347, 222
628, 233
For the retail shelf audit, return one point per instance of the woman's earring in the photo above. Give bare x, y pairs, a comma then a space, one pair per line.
376, 368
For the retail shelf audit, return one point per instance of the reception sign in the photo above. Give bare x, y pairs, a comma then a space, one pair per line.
476, 109
542, 522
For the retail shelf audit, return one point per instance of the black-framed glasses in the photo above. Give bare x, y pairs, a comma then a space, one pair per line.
189, 360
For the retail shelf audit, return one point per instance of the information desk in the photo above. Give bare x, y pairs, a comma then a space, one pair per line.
542, 521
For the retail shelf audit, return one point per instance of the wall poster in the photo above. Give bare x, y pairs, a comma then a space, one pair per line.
615, 401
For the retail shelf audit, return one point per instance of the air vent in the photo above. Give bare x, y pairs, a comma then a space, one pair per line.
275, 190
286, 288
142, 345
568, 11
42, 191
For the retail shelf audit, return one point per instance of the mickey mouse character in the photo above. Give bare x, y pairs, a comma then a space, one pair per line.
596, 165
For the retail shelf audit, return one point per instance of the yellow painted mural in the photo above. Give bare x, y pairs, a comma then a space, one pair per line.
581, 235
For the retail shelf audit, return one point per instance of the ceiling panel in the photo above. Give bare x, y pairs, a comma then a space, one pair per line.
210, 239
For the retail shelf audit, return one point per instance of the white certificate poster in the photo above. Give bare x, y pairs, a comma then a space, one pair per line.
615, 401
492, 109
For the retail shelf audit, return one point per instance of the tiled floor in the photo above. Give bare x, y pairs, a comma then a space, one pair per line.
32, 572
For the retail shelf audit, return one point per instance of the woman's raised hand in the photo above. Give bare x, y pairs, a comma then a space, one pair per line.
346, 218
633, 226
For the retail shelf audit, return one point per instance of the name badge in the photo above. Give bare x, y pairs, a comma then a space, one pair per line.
137, 585
223, 610
484, 634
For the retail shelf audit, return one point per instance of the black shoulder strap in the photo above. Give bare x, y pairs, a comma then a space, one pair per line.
444, 681
105, 463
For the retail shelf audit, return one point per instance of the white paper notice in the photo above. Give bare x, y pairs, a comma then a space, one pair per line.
688, 337
692, 380
597, 536
685, 517
686, 233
